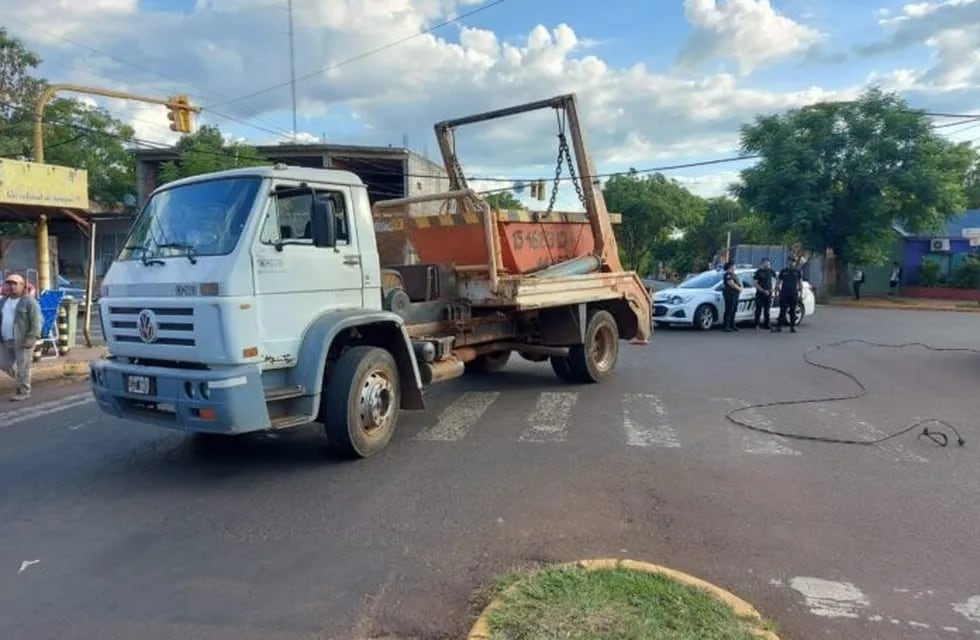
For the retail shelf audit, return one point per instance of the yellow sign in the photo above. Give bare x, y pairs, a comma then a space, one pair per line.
43, 185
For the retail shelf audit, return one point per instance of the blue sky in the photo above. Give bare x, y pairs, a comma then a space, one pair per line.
659, 83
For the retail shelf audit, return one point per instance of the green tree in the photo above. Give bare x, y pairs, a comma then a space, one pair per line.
18, 88
503, 201
840, 175
708, 234
205, 151
652, 207
973, 184
75, 135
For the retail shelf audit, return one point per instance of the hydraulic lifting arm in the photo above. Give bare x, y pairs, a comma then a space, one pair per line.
606, 248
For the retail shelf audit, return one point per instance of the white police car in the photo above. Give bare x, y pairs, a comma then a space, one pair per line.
698, 301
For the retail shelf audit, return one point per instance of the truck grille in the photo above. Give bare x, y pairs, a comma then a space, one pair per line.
124, 325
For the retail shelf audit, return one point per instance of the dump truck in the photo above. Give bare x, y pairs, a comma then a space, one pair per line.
258, 299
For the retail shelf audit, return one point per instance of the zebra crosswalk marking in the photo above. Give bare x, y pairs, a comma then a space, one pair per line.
645, 422
760, 443
548, 422
460, 416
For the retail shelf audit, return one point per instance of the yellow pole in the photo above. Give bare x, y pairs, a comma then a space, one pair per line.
89, 286
43, 258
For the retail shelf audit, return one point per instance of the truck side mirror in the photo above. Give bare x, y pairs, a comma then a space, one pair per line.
323, 223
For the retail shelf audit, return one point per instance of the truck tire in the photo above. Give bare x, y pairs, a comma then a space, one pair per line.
361, 402
595, 360
562, 368
488, 362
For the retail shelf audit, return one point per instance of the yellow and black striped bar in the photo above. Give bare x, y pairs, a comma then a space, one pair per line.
515, 215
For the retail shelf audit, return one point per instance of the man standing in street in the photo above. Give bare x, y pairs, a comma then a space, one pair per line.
730, 290
789, 290
20, 329
765, 280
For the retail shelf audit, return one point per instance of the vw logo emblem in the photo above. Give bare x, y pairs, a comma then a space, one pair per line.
147, 325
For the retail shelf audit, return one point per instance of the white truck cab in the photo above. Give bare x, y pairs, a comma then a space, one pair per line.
219, 311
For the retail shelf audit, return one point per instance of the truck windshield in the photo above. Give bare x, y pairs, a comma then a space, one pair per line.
198, 219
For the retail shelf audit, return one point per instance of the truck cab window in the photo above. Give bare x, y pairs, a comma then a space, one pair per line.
288, 217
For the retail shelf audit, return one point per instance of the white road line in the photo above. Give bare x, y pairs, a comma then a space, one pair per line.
10, 418
867, 430
457, 419
760, 443
830, 599
969, 609
644, 420
549, 420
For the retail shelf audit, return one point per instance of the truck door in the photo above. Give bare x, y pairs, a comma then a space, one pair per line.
295, 281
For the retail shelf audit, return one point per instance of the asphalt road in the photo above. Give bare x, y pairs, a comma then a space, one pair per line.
112, 530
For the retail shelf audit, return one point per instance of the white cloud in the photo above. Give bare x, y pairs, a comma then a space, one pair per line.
950, 29
750, 32
230, 48
633, 116
710, 185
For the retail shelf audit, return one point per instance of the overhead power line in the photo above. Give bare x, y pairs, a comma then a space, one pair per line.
140, 67
361, 56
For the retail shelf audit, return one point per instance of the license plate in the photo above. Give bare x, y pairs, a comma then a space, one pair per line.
139, 385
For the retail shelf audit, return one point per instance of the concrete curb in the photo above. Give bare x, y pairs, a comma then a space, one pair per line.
481, 628
902, 307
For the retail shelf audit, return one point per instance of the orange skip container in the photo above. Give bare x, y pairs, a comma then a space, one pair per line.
528, 241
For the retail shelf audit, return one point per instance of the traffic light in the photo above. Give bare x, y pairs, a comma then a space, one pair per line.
180, 114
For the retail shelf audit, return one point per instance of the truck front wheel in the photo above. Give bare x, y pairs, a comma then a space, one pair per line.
361, 401
595, 360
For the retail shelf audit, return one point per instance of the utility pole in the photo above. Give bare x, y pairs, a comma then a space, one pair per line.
180, 110
292, 65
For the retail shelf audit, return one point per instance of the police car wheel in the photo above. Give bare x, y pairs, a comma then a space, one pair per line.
704, 317
800, 313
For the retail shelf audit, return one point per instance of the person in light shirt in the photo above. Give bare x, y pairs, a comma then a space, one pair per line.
20, 329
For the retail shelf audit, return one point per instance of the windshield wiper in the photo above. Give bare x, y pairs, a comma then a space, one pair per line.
179, 245
143, 258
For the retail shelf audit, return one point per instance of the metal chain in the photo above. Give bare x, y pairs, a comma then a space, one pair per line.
571, 170
561, 157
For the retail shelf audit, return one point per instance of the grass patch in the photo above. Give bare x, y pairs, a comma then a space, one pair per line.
572, 603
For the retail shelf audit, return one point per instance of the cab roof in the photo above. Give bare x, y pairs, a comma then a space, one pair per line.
276, 171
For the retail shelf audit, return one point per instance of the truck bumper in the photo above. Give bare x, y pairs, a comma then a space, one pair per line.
226, 401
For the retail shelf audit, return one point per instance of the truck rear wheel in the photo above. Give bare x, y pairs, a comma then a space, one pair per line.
562, 368
595, 360
361, 401
489, 362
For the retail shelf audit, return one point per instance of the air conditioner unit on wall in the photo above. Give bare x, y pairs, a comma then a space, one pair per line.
939, 244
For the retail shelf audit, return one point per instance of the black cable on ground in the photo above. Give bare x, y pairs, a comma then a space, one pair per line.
939, 437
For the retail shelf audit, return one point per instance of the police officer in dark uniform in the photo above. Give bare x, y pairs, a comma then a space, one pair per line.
765, 280
790, 290
731, 288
